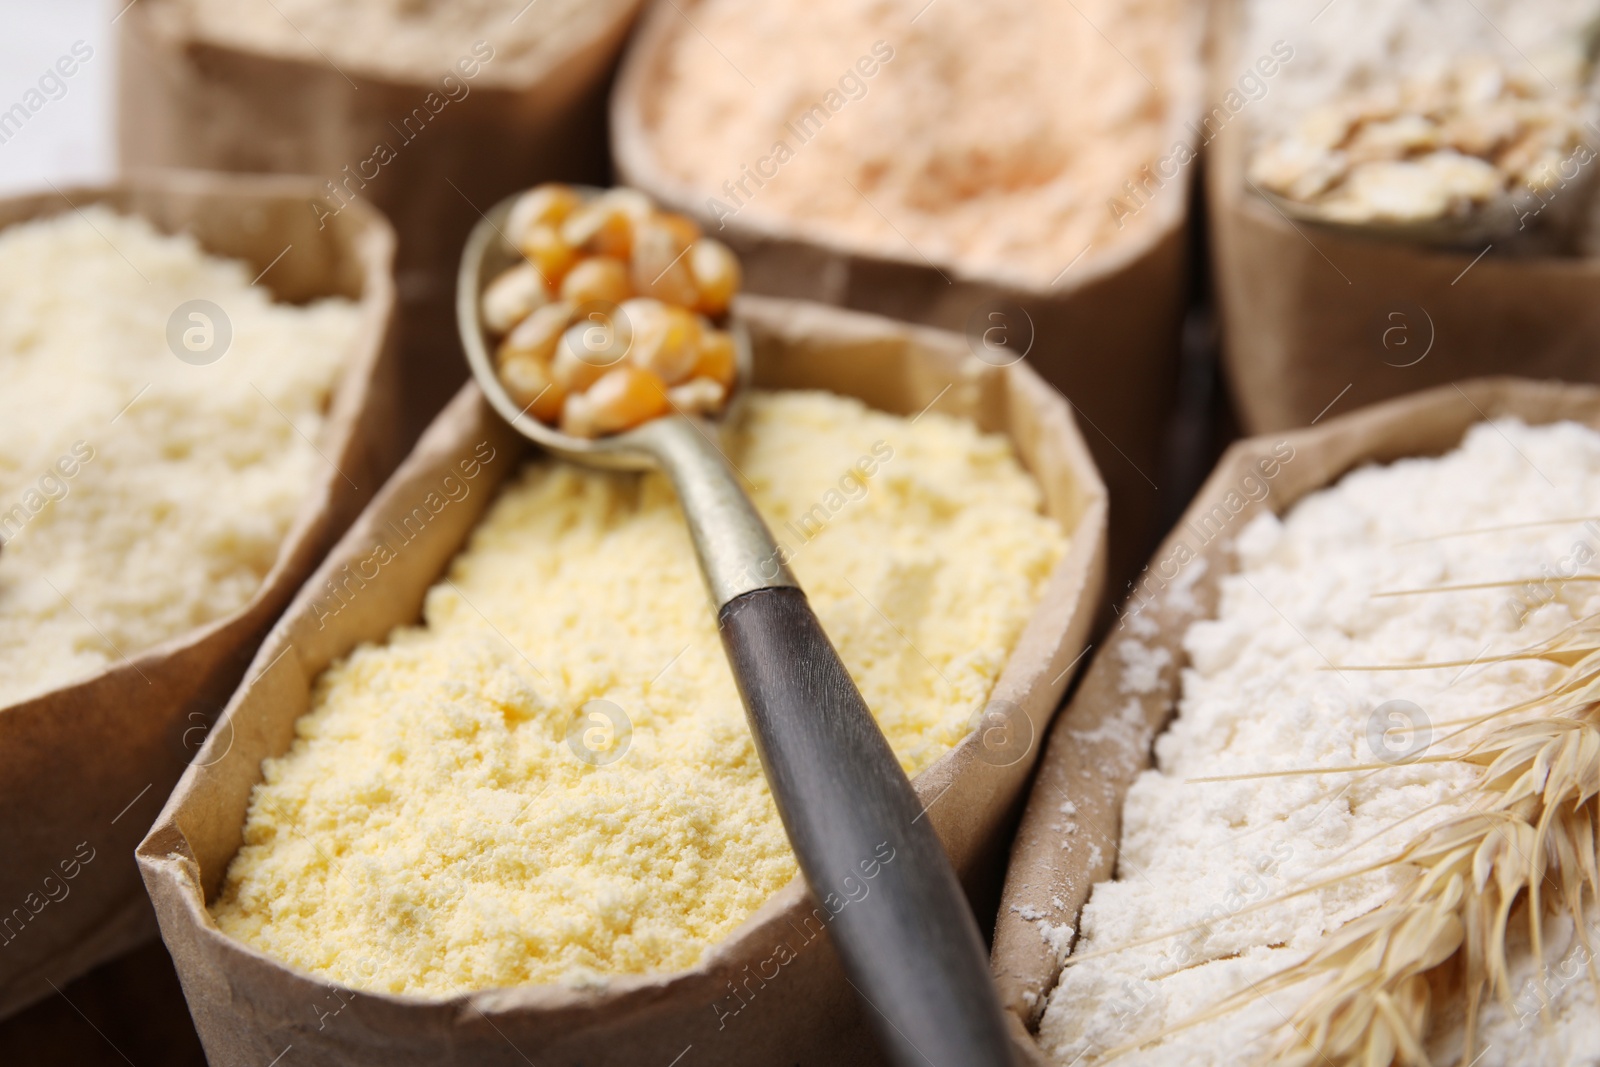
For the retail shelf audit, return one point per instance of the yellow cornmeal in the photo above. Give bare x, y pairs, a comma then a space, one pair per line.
431, 830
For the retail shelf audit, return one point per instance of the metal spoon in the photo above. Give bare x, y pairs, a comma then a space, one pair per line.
910, 945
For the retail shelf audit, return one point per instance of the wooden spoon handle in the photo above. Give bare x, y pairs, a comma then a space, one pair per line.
883, 886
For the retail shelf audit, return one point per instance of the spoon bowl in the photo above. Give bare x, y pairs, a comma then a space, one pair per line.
488, 252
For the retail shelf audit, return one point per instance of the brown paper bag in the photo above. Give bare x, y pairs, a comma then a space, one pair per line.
1097, 748
1106, 334
248, 1007
88, 763
187, 102
1314, 319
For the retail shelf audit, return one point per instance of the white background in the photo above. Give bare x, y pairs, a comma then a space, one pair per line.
68, 140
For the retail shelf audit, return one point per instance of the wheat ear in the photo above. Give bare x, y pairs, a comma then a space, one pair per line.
1531, 835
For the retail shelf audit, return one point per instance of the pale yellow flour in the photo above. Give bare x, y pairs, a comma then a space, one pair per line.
142, 496
432, 831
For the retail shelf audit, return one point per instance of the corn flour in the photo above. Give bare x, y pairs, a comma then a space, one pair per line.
456, 813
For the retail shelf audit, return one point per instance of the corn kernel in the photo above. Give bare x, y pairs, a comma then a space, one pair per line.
577, 416
587, 350
697, 396
660, 268
529, 384
601, 359
512, 297
716, 274
626, 397
665, 339
602, 279
632, 203
545, 249
535, 337
683, 227
717, 359
600, 228
547, 204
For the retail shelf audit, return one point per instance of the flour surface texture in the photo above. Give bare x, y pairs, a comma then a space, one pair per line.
142, 496
986, 137
1269, 687
435, 827
447, 45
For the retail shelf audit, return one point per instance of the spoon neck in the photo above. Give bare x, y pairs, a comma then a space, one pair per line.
737, 552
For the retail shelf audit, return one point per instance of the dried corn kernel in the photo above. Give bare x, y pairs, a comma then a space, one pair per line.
545, 249
716, 358
530, 385
535, 337
665, 339
659, 266
683, 227
588, 349
600, 359
577, 416
716, 274
697, 396
547, 204
625, 397
630, 202
512, 297
600, 229
598, 279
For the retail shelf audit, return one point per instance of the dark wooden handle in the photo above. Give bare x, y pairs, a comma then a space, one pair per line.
897, 915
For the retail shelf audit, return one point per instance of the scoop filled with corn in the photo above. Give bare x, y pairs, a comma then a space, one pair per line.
610, 320
603, 303
1469, 150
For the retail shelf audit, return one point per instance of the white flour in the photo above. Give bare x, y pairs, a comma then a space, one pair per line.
1259, 695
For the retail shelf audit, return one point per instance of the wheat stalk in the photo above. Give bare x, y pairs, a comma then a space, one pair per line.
1530, 836
1469, 873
